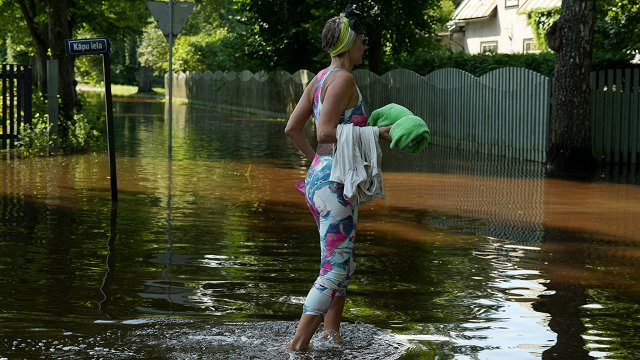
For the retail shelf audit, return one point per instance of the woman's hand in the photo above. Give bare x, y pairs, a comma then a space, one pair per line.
384, 132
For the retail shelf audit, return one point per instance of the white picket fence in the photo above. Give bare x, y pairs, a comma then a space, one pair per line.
504, 112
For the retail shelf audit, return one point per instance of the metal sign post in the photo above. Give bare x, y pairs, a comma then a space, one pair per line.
171, 17
92, 47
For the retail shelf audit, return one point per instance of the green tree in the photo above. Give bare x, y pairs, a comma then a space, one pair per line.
617, 26
153, 50
584, 28
400, 28
50, 22
212, 39
16, 39
276, 32
286, 34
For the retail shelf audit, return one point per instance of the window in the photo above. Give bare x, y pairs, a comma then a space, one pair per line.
489, 47
529, 46
511, 3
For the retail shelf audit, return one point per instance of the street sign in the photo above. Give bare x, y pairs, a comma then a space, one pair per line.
101, 46
87, 46
161, 11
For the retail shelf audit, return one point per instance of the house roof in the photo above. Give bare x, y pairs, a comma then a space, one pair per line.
475, 9
530, 5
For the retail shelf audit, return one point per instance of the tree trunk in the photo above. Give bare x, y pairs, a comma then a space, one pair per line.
375, 54
40, 68
145, 78
59, 30
570, 149
37, 32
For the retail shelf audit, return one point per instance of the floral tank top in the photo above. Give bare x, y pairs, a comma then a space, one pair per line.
357, 115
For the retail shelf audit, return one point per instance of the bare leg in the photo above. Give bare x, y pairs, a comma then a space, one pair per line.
332, 319
306, 328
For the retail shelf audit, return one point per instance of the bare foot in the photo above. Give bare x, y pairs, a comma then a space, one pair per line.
297, 347
331, 335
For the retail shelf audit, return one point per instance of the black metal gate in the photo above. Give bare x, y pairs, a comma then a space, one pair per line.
15, 82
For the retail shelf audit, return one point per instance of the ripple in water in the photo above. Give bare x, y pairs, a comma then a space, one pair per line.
198, 339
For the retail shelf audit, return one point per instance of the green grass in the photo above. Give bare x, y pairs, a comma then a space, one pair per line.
131, 90
123, 90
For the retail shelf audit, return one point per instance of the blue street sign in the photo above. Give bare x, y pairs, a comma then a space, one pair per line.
87, 46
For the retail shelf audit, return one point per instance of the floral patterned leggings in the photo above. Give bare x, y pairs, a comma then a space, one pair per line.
335, 220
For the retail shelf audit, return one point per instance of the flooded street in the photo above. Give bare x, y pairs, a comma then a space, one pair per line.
209, 255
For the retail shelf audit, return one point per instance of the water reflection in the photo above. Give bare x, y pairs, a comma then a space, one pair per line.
564, 306
105, 288
468, 256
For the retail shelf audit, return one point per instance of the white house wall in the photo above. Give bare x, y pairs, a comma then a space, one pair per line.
507, 28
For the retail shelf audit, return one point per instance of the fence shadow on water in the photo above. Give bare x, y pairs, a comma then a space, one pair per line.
467, 191
511, 199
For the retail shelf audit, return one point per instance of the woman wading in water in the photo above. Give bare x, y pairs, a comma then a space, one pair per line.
332, 98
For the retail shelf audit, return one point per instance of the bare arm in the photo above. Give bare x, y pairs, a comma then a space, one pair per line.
299, 117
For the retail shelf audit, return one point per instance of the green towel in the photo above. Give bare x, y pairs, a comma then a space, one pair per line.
410, 134
388, 115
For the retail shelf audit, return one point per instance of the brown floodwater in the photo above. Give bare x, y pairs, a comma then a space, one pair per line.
210, 251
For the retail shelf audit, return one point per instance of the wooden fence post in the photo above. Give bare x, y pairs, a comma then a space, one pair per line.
52, 104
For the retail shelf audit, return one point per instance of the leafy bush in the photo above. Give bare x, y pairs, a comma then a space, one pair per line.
540, 21
217, 49
480, 64
34, 138
85, 132
84, 135
612, 60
